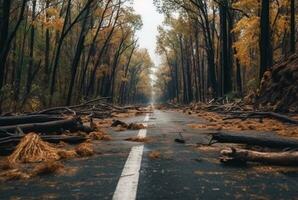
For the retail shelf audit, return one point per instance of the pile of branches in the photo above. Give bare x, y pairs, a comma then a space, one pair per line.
273, 150
279, 87
56, 124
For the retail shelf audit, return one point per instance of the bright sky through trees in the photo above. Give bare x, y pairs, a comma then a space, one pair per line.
151, 19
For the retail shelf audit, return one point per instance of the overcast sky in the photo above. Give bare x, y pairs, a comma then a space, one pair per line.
151, 19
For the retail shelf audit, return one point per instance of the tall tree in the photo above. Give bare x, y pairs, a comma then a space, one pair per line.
266, 57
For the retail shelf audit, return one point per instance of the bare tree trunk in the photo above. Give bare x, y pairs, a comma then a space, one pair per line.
266, 58
31, 54
79, 49
293, 26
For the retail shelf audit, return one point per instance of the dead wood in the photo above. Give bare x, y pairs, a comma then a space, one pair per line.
277, 116
72, 124
70, 108
273, 142
119, 123
24, 119
242, 155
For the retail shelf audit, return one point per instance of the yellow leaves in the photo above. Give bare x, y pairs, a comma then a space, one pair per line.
248, 28
250, 6
248, 31
52, 12
98, 12
57, 24
103, 70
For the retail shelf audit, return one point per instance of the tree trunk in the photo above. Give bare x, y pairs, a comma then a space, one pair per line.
293, 26
274, 158
266, 57
79, 49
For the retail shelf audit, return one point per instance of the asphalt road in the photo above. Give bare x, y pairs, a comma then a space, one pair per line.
181, 172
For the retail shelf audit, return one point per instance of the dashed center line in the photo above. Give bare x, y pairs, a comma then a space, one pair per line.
128, 183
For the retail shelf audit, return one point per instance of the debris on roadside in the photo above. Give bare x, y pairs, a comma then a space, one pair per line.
122, 126
33, 149
85, 149
234, 155
154, 155
138, 139
99, 135
49, 167
180, 139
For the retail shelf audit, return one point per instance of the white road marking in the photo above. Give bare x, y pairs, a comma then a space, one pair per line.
128, 183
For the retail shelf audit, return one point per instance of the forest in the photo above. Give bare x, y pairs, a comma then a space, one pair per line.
226, 48
62, 52
99, 100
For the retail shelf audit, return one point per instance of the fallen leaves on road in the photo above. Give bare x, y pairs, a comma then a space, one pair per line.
40, 157
154, 155
217, 122
99, 135
122, 126
85, 149
138, 139
104, 123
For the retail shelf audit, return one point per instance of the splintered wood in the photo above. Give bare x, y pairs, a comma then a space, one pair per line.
217, 122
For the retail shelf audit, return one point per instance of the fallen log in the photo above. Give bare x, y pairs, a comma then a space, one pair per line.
258, 140
277, 116
233, 155
72, 124
24, 119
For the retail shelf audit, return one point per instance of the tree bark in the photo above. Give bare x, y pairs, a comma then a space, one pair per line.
293, 26
275, 158
266, 57
264, 141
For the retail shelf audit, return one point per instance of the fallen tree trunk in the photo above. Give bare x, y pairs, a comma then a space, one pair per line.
24, 119
72, 124
275, 158
273, 115
274, 142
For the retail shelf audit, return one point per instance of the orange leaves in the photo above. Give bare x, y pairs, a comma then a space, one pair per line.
216, 122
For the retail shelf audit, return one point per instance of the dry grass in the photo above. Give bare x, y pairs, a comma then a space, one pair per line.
134, 126
67, 154
154, 155
138, 139
106, 138
105, 123
33, 149
41, 158
96, 135
216, 122
85, 149
119, 128
99, 135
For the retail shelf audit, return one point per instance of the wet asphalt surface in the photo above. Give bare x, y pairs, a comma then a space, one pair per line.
181, 172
